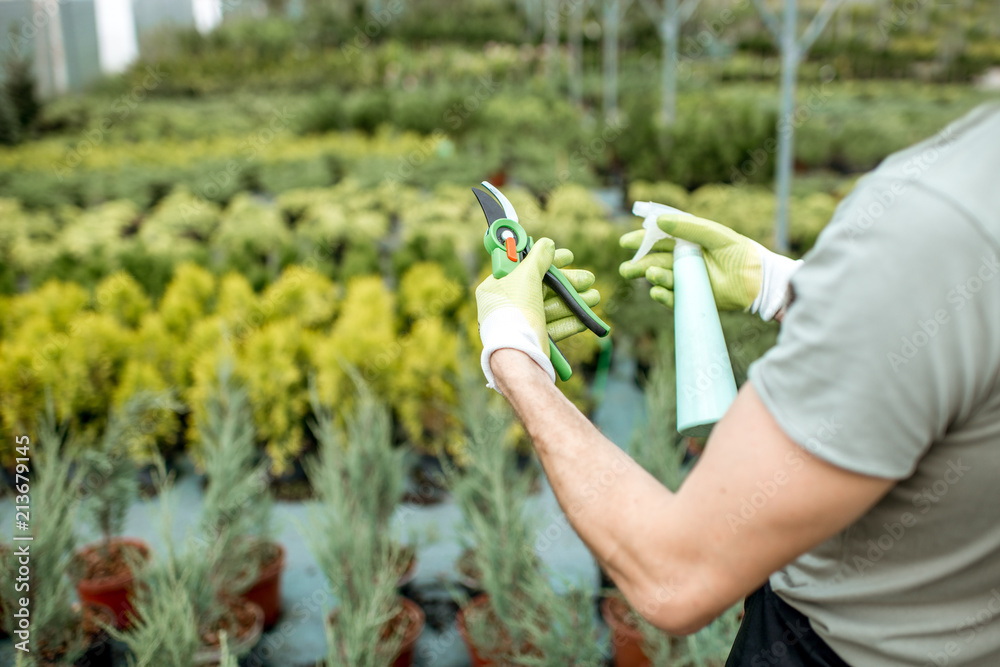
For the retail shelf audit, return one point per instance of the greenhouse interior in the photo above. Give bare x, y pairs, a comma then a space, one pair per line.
276, 278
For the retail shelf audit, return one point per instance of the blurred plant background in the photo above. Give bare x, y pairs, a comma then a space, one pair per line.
283, 191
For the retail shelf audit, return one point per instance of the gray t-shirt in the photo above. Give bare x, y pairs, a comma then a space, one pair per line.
888, 364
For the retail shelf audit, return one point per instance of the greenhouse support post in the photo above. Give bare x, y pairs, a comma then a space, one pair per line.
669, 20
793, 51
577, 11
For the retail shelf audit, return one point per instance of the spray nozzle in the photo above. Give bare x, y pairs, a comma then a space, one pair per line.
650, 211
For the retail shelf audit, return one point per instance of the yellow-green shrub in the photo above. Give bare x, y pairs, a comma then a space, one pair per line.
272, 363
662, 192
421, 389
121, 297
187, 299
159, 426
364, 336
302, 294
98, 230
425, 289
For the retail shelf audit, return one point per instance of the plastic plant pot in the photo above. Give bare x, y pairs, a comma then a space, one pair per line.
626, 637
238, 646
477, 654
415, 619
266, 591
113, 591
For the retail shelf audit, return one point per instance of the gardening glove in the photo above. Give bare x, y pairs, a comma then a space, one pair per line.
743, 273
560, 322
512, 314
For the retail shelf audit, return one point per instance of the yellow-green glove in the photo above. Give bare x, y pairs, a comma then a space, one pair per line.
559, 320
511, 311
743, 273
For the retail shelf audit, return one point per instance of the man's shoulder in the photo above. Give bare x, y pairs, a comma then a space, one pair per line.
959, 166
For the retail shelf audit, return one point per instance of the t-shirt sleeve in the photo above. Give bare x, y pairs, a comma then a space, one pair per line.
885, 345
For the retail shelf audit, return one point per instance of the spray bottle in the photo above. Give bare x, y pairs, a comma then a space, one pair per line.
705, 383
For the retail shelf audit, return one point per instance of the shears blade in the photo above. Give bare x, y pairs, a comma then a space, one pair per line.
508, 208
491, 208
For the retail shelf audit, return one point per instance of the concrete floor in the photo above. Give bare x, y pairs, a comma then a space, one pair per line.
298, 638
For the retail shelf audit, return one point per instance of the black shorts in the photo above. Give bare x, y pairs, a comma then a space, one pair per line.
774, 634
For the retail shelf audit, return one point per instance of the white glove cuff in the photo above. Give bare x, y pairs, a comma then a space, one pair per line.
508, 328
776, 271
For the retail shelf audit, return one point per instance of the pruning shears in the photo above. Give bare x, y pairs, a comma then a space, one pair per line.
507, 244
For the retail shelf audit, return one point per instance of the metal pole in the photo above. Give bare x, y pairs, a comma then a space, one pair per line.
576, 51
551, 38
610, 60
668, 35
786, 118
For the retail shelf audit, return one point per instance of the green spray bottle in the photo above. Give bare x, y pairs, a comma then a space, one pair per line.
706, 386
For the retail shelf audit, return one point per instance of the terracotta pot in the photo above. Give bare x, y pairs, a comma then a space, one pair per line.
476, 654
415, 619
475, 658
238, 646
266, 591
99, 653
625, 636
112, 592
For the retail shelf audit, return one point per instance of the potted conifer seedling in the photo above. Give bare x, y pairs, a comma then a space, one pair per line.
659, 450
183, 613
358, 479
238, 494
491, 494
558, 626
105, 569
57, 632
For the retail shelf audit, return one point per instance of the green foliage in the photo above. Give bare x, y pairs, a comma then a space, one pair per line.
183, 595
656, 445
19, 103
491, 494
358, 466
358, 477
237, 508
55, 624
110, 480
558, 626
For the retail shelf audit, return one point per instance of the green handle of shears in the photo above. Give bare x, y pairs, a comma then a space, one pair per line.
564, 289
563, 369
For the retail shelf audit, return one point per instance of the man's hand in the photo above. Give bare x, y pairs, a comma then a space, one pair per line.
512, 312
743, 273
559, 320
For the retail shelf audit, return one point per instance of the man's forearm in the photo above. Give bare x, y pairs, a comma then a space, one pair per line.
606, 495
